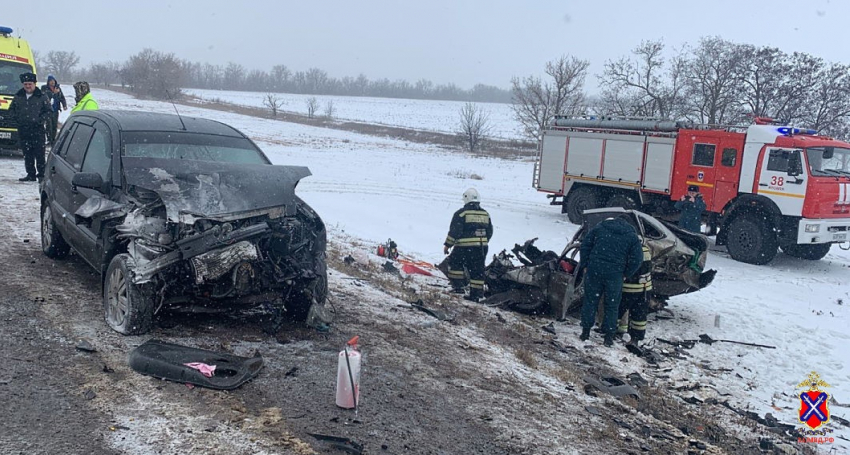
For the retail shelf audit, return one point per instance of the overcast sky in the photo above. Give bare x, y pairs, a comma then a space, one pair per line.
465, 42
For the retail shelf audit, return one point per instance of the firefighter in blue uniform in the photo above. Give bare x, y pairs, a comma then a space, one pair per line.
635, 300
469, 232
610, 252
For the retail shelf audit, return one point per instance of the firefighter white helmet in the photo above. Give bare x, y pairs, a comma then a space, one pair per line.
471, 195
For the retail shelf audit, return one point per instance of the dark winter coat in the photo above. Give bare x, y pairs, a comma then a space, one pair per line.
470, 226
30, 114
56, 99
612, 247
691, 217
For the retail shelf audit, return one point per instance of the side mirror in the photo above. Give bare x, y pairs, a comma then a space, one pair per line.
91, 180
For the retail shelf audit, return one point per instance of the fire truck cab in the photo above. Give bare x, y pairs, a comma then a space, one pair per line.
766, 186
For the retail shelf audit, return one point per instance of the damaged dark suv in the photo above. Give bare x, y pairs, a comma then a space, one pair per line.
181, 212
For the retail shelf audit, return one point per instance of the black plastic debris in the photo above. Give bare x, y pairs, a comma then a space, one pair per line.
593, 410
166, 361
348, 260
549, 328
612, 386
390, 268
89, 394
441, 315
292, 372
85, 346
344, 444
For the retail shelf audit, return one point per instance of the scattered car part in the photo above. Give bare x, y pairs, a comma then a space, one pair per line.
704, 338
344, 444
612, 386
166, 361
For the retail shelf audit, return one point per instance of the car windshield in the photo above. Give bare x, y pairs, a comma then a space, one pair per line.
10, 77
191, 146
828, 160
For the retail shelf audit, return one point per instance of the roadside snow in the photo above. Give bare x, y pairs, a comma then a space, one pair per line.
374, 188
429, 115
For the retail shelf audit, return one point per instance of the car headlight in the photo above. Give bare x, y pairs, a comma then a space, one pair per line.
813, 228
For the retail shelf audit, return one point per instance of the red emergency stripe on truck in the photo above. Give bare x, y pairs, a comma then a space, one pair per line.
14, 58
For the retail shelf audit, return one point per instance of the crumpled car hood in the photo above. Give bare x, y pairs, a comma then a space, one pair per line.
202, 189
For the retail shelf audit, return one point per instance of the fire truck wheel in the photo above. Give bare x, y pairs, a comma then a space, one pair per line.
810, 252
751, 240
578, 201
625, 201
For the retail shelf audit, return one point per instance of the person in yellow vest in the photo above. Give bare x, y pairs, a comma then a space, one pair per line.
82, 94
635, 300
469, 232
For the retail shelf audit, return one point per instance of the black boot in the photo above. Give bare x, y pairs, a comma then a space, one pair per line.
28, 178
609, 340
585, 334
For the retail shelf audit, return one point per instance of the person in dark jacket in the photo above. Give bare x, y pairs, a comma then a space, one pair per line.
57, 103
610, 252
469, 232
635, 300
30, 109
691, 205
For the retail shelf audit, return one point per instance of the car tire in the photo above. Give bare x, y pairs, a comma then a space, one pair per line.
579, 200
128, 307
625, 201
53, 244
808, 252
751, 240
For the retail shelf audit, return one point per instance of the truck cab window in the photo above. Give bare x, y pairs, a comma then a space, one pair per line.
784, 161
703, 155
729, 157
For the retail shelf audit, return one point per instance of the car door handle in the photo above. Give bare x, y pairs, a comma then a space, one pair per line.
762, 184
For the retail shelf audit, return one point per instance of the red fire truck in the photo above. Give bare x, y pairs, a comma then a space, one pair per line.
766, 186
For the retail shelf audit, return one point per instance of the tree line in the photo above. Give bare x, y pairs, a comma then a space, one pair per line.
716, 82
153, 73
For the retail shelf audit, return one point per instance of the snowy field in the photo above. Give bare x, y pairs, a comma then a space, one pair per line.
373, 189
430, 115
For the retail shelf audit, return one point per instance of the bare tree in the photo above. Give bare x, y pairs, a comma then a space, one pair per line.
61, 63
273, 102
712, 75
330, 110
280, 76
312, 106
655, 87
827, 105
474, 126
153, 73
103, 73
537, 101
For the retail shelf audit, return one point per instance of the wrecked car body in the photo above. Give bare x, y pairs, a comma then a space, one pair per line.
181, 213
547, 282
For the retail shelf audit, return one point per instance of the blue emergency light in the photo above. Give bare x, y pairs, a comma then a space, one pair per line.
787, 131
6, 31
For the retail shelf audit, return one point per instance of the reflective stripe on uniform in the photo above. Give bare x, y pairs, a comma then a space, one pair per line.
638, 325
476, 284
456, 274
471, 241
637, 287
475, 216
449, 240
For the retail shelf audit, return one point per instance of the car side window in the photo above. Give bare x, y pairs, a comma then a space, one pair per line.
99, 153
61, 142
77, 146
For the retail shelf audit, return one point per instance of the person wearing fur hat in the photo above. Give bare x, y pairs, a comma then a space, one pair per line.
82, 95
53, 92
30, 109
